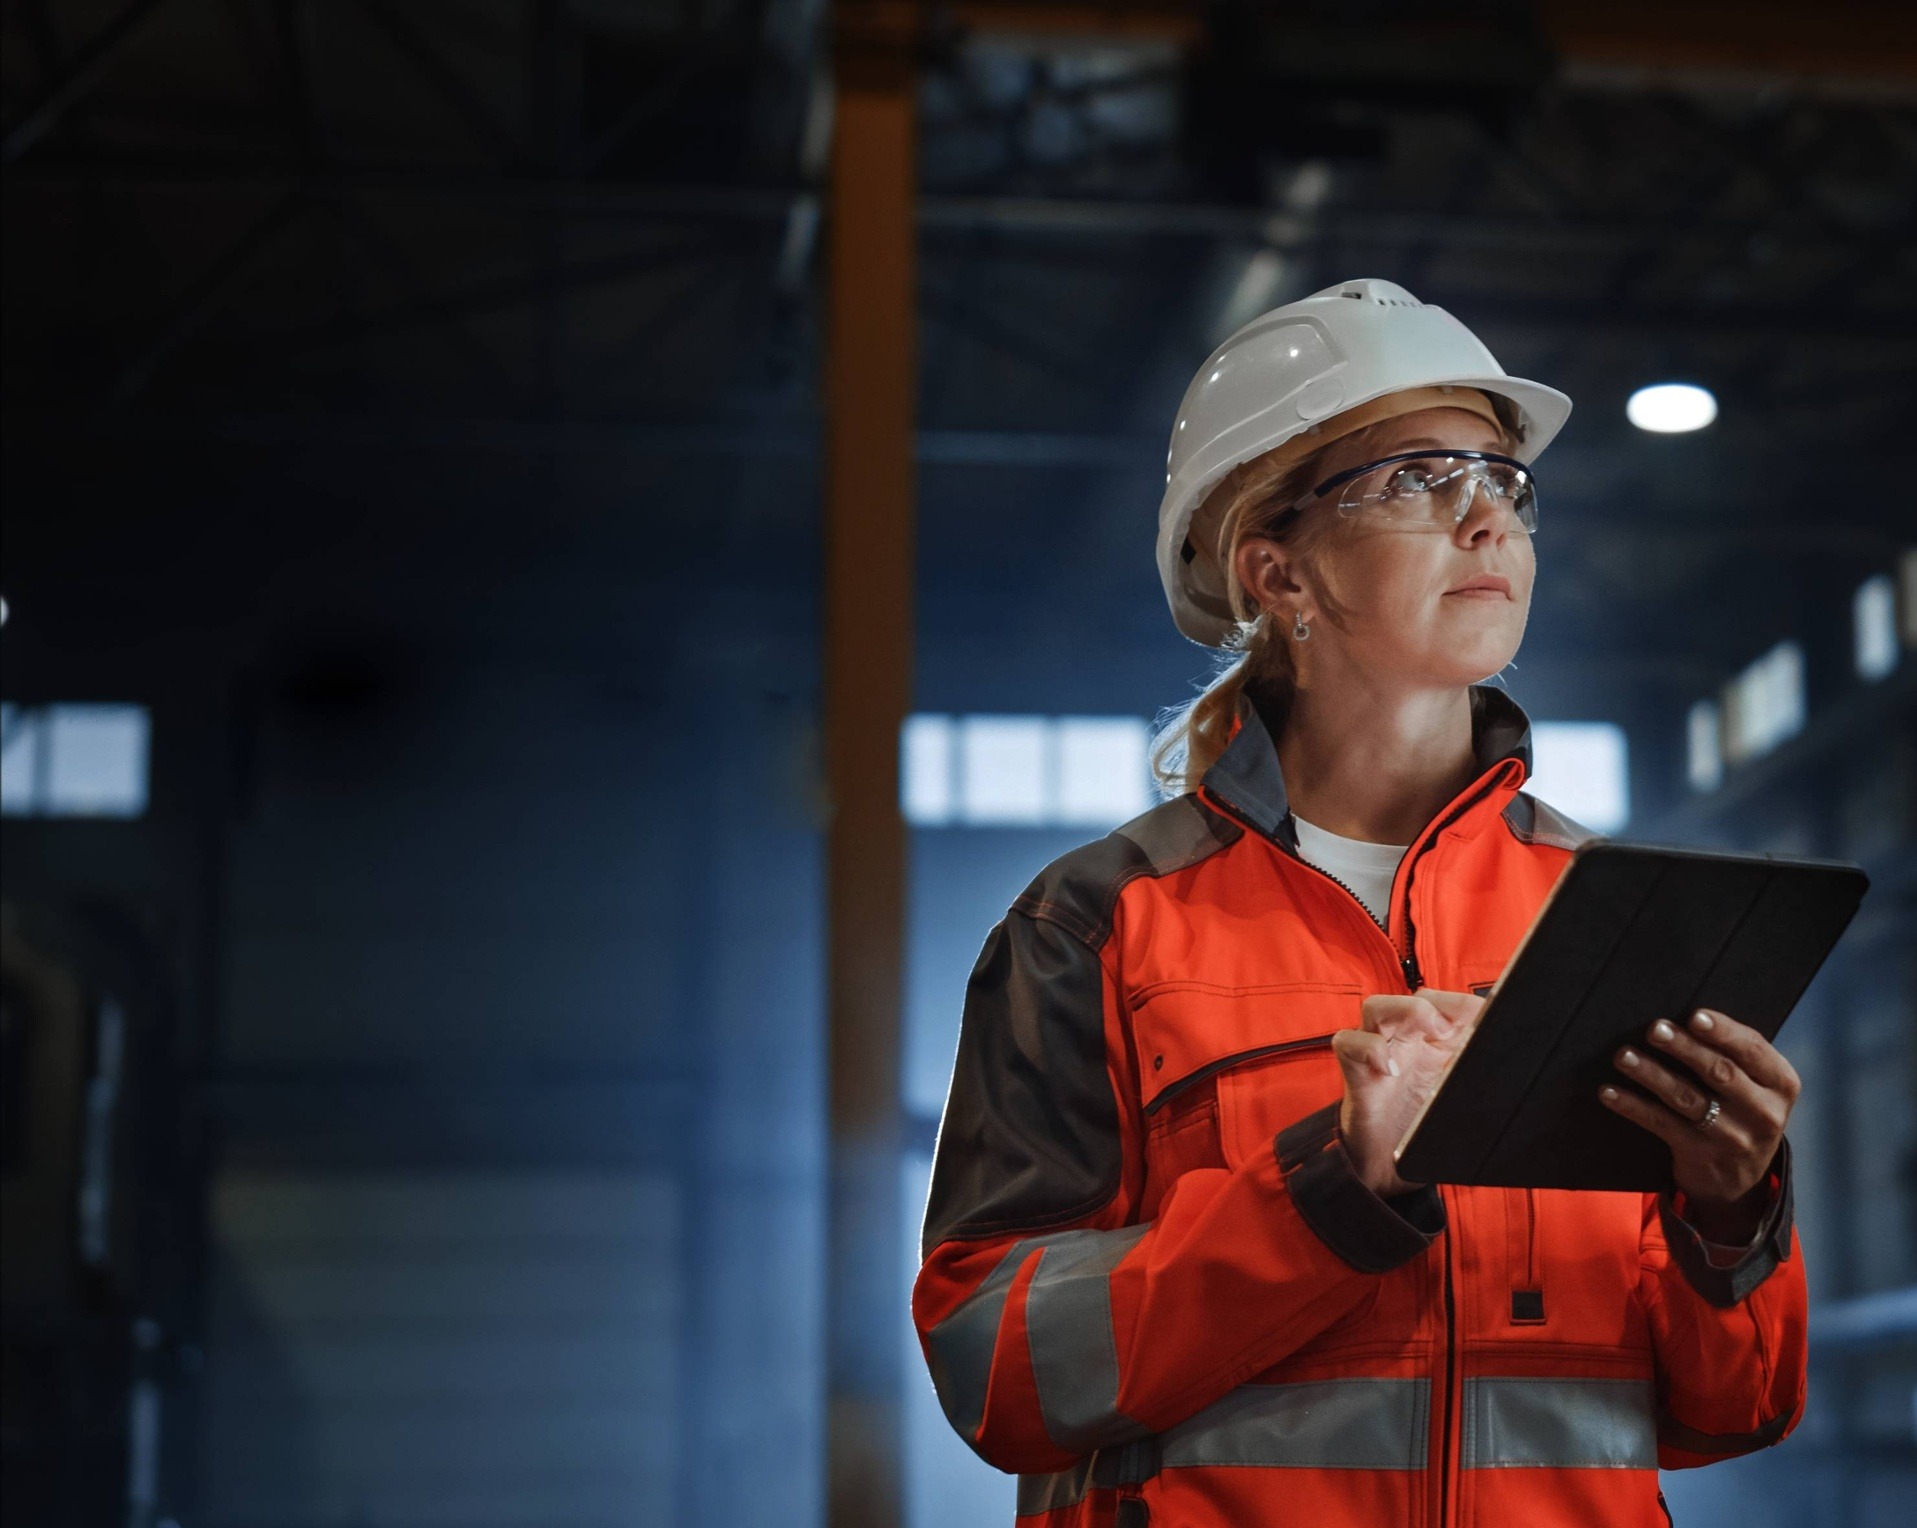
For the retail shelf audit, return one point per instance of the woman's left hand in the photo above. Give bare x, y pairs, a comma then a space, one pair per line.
1721, 1167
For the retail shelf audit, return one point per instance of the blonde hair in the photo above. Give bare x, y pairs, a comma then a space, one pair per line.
1258, 655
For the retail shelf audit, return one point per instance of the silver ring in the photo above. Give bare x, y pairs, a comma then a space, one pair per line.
1710, 1115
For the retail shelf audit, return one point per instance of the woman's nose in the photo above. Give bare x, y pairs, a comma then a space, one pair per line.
1483, 514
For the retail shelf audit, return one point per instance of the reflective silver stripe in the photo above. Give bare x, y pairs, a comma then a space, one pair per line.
1047, 1493
961, 1345
1068, 1322
1343, 1424
1337, 1424
1566, 1424
1383, 1424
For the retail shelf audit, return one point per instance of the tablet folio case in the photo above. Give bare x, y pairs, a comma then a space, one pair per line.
1630, 933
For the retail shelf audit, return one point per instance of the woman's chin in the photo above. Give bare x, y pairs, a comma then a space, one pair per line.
1458, 667
1479, 634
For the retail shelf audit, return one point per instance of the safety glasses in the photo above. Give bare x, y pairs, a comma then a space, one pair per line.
1431, 489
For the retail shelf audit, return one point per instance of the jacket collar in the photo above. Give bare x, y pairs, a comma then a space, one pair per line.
1249, 780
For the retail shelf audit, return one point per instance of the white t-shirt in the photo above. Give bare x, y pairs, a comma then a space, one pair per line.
1366, 868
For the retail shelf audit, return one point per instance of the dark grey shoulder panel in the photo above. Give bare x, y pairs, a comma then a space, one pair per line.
1029, 1139
1178, 834
1538, 822
1079, 890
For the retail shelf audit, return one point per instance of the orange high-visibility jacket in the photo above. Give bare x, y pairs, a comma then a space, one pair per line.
1153, 1284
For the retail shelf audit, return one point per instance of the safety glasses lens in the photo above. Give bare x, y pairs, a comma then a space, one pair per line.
1439, 490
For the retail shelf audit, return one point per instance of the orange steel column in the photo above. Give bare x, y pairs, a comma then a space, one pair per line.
871, 388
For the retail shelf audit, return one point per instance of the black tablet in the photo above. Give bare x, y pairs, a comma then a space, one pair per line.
1629, 934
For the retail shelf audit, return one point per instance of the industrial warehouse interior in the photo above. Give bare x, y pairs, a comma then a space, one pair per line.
566, 561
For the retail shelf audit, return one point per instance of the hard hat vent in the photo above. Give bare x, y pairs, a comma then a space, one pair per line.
1359, 294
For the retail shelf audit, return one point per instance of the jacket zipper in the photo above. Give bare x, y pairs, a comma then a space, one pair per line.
1450, 1301
1410, 961
1450, 1371
1407, 964
1408, 967
1413, 979
1313, 1042
1531, 1239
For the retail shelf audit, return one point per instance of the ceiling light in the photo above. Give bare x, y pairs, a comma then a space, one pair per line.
1671, 408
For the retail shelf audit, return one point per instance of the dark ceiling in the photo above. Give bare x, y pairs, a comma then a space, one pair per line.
513, 244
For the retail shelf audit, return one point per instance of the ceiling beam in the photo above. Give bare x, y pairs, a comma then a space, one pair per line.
94, 60
615, 200
1110, 20
206, 295
1849, 40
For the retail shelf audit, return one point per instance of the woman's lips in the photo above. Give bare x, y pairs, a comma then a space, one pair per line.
1477, 594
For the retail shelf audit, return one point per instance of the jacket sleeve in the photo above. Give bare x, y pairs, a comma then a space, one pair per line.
1053, 1322
1731, 1341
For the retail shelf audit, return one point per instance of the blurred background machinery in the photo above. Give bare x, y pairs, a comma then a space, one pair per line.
420, 525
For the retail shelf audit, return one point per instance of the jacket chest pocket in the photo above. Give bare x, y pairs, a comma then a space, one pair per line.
1263, 1094
1245, 1061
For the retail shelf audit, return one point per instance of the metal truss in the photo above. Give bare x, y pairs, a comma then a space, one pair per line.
1709, 219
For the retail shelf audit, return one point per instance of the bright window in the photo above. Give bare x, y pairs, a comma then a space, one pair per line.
1764, 705
73, 760
928, 769
1103, 778
1583, 769
1024, 771
1706, 756
1004, 770
1874, 623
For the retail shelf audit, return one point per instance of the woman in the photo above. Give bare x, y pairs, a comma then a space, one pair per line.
1170, 1274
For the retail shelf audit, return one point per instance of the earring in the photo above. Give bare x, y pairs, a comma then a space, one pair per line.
1298, 627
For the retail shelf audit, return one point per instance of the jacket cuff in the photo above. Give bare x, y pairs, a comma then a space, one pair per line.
1372, 1234
1729, 1285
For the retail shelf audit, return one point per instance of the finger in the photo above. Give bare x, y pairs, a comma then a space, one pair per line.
1395, 1011
1363, 1056
1653, 1116
1406, 1013
1662, 1083
1729, 1131
1677, 1132
1456, 1007
1712, 1066
1761, 1061
1722, 1075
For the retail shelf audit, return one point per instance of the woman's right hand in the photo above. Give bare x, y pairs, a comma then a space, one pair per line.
1392, 1064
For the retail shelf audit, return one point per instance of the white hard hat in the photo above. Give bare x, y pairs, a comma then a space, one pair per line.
1286, 371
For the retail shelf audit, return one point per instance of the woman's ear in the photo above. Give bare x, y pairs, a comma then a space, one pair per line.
1264, 567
